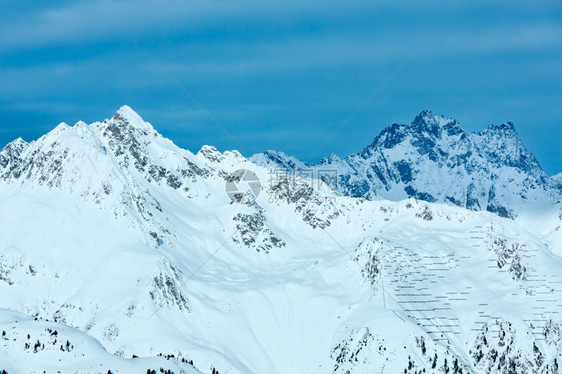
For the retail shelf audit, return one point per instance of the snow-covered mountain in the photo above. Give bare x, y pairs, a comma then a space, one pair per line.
122, 252
434, 159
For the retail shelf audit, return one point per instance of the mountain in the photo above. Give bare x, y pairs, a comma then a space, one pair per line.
434, 159
121, 252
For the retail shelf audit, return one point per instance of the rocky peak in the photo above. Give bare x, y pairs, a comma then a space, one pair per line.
277, 159
127, 136
126, 127
211, 153
506, 129
503, 147
12, 151
427, 123
331, 159
15, 147
127, 117
423, 132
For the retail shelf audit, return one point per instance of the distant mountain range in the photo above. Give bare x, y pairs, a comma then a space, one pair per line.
434, 159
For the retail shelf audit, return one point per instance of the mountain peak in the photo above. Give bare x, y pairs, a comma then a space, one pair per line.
331, 159
12, 151
18, 143
426, 113
271, 158
426, 117
126, 115
424, 131
211, 153
426, 123
506, 127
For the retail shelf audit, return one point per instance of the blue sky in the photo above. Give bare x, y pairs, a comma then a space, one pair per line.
284, 75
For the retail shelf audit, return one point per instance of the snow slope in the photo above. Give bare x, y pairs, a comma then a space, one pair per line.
36, 346
128, 245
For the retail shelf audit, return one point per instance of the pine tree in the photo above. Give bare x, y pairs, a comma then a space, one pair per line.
434, 365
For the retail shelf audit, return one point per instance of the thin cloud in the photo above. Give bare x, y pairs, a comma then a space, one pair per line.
102, 20
303, 66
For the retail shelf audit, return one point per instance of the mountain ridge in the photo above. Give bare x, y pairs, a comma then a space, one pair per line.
426, 159
130, 246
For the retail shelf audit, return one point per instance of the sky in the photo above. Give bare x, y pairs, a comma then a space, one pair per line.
284, 75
